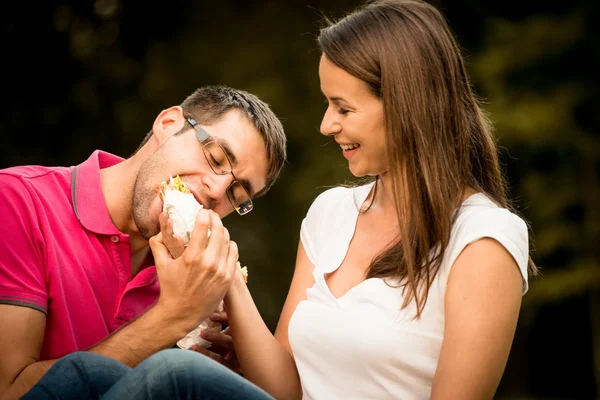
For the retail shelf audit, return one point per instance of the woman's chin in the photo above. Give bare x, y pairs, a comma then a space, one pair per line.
356, 171
359, 172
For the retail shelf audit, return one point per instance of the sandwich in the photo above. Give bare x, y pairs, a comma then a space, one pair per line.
180, 204
182, 207
194, 337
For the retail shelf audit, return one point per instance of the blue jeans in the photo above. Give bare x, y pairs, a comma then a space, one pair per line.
169, 374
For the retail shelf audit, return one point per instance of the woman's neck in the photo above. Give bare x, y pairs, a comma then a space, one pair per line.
381, 198
384, 197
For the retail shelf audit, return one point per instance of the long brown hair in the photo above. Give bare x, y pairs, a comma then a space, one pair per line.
439, 141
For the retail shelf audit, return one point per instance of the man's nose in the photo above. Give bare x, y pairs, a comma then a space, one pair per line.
218, 185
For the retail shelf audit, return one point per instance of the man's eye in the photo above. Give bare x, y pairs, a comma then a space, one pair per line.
232, 195
215, 162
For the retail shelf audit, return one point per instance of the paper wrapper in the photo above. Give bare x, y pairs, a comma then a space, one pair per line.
194, 337
182, 209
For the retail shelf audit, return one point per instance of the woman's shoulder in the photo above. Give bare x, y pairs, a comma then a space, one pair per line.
333, 195
479, 217
334, 208
330, 218
341, 198
480, 212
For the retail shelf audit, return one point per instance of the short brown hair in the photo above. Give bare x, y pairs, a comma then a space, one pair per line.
208, 104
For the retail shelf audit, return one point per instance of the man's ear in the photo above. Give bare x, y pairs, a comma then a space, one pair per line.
167, 123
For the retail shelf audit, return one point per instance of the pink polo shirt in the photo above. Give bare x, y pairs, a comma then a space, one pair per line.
61, 254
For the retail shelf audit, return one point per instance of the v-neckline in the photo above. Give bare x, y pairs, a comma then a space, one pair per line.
356, 215
471, 199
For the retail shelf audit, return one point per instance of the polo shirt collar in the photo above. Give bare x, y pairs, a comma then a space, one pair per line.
86, 193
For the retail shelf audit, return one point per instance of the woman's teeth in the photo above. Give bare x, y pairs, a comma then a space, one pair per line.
347, 147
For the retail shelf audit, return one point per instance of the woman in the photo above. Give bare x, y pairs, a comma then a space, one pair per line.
409, 286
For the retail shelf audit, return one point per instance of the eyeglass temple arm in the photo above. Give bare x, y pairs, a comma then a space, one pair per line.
201, 134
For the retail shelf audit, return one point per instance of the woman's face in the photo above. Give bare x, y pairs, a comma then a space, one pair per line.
354, 117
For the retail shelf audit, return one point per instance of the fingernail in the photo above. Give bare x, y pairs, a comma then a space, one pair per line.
215, 316
204, 334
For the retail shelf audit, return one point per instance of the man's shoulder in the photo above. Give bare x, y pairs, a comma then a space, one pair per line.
31, 182
37, 177
25, 172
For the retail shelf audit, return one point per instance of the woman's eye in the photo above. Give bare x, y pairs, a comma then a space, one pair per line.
343, 111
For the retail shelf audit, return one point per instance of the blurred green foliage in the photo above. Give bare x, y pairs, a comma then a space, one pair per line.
97, 73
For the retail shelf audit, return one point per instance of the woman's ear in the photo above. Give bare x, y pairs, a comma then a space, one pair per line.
167, 123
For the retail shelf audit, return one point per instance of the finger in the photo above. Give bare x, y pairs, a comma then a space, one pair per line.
220, 317
231, 364
174, 243
216, 241
232, 257
222, 351
224, 248
231, 356
159, 250
218, 338
163, 219
217, 229
169, 232
197, 242
208, 353
176, 246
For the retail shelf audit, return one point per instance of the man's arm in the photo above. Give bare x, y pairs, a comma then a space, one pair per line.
23, 334
155, 330
22, 338
191, 288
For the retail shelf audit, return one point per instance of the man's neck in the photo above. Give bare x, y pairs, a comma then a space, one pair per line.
138, 260
117, 187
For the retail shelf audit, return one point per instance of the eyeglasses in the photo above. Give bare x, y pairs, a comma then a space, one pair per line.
220, 163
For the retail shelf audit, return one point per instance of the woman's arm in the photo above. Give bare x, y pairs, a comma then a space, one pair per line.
482, 305
266, 359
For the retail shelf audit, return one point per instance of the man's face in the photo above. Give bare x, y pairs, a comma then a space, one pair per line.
182, 155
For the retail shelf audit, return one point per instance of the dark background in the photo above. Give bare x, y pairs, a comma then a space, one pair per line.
83, 75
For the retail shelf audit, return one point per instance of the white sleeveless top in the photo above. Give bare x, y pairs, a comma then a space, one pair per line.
363, 345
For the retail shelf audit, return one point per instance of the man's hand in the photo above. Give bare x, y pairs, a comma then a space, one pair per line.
222, 349
173, 243
193, 284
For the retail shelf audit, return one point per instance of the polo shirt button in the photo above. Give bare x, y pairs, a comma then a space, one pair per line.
115, 239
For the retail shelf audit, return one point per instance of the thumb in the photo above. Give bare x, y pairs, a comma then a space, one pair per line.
159, 250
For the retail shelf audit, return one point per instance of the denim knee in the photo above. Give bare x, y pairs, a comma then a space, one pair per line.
183, 374
181, 362
83, 358
79, 375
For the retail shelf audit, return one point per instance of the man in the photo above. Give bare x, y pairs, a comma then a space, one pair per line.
76, 271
